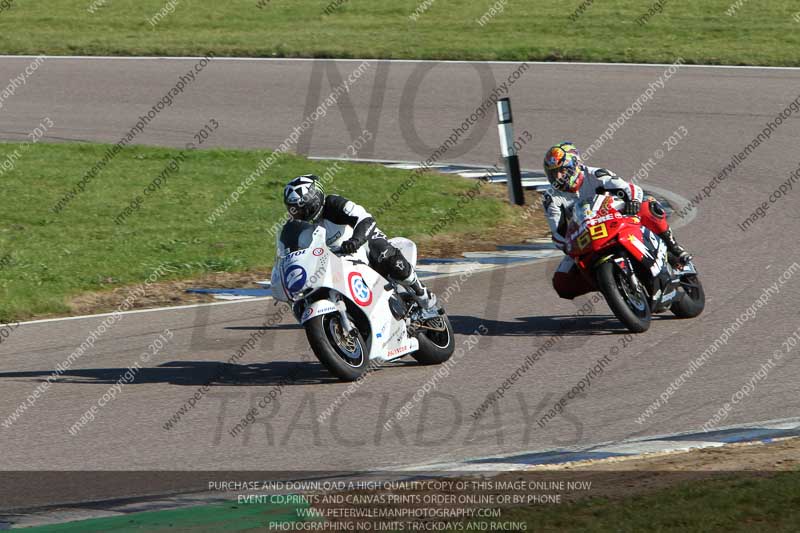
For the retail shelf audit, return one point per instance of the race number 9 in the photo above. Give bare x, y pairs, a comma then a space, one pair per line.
598, 232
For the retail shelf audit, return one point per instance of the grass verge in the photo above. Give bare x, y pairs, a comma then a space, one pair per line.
745, 502
48, 258
714, 31
228, 517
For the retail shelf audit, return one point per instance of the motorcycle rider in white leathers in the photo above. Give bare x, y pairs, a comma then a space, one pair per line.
572, 181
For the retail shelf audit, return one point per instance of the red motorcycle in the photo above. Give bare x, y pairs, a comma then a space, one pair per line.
628, 263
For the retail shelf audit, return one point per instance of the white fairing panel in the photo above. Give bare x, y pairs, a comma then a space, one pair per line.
316, 268
407, 248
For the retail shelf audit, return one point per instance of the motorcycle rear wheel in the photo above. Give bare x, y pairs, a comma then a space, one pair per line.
693, 300
435, 345
629, 306
345, 356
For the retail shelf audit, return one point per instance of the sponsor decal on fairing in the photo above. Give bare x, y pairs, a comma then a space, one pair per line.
359, 289
398, 351
294, 279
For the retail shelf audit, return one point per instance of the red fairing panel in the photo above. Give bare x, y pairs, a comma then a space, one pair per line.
631, 238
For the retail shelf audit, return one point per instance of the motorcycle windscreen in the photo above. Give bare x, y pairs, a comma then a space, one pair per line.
297, 235
599, 205
580, 212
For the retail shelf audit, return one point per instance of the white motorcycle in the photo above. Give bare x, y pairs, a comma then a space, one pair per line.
352, 315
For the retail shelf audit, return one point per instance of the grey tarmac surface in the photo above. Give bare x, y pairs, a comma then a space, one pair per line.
411, 108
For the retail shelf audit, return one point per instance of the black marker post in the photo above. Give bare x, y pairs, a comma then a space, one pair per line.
505, 126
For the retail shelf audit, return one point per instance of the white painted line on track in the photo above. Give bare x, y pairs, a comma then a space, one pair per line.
658, 446
135, 311
631, 448
775, 423
411, 165
445, 61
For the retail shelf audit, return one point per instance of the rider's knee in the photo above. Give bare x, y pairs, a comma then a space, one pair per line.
389, 261
656, 208
653, 215
569, 285
400, 267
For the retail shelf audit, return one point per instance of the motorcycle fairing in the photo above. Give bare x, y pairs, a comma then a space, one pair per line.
649, 250
320, 307
631, 238
313, 270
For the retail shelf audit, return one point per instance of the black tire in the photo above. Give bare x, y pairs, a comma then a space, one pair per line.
692, 301
612, 284
435, 347
322, 336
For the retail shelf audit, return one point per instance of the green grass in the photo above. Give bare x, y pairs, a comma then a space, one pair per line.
229, 517
732, 505
763, 33
55, 256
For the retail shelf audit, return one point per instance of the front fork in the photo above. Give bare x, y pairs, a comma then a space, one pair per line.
347, 326
624, 264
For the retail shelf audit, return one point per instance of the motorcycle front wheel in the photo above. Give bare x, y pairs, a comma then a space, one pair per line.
628, 303
345, 356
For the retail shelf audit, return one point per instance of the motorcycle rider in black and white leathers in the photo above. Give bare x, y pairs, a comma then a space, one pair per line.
349, 226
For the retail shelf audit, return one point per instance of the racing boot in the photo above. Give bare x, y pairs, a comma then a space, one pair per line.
678, 254
424, 297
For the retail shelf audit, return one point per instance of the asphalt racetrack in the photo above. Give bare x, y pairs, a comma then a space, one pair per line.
411, 108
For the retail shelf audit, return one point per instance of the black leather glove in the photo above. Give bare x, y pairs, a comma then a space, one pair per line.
632, 207
349, 246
